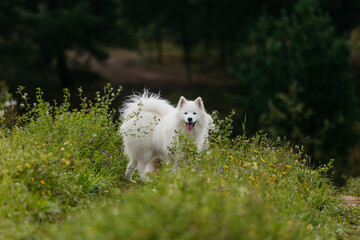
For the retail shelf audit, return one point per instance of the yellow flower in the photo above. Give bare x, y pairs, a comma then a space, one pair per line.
27, 165
222, 181
62, 149
288, 166
231, 157
251, 178
222, 149
32, 179
307, 189
42, 182
262, 160
308, 227
18, 167
191, 150
284, 173
67, 163
296, 179
244, 165
49, 192
270, 164
255, 151
301, 195
225, 166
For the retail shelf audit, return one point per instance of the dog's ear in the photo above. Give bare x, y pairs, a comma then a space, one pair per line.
199, 103
182, 102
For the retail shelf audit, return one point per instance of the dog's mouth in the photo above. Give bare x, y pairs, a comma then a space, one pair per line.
190, 126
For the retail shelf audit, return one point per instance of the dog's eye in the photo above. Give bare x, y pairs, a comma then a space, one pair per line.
194, 113
185, 112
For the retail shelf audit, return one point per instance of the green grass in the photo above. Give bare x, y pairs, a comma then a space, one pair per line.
62, 173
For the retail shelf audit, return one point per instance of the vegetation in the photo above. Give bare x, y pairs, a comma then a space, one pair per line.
297, 82
62, 173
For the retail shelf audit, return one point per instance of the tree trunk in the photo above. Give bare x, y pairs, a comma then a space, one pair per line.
159, 45
187, 56
222, 53
63, 71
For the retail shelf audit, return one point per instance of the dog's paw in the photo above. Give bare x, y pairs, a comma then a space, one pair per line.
130, 180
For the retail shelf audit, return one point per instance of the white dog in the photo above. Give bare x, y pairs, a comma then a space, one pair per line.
150, 126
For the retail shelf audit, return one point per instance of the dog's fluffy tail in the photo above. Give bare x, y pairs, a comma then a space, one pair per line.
145, 102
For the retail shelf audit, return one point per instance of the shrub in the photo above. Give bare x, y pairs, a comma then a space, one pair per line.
56, 158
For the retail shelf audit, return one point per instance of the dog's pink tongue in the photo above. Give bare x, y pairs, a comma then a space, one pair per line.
190, 127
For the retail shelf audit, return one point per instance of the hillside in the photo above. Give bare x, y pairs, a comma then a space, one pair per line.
62, 174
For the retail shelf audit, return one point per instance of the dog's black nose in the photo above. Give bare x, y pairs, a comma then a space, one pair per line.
189, 119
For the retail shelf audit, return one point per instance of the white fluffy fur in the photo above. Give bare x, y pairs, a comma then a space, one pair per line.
150, 125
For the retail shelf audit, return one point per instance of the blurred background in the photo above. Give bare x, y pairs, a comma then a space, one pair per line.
289, 68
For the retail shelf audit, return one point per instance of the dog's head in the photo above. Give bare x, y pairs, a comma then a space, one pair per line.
192, 112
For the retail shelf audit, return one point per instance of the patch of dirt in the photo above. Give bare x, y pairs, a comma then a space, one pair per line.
131, 69
350, 200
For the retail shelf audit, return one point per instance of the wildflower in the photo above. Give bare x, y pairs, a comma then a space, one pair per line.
198, 159
308, 227
225, 166
191, 150
244, 166
270, 164
32, 179
27, 165
18, 167
255, 151
222, 181
307, 189
296, 179
49, 192
251, 178
231, 157
262, 160
222, 149
287, 166
226, 194
301, 195
62, 149
284, 173
42, 182
67, 162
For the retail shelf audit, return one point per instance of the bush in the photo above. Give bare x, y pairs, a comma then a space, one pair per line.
296, 81
56, 158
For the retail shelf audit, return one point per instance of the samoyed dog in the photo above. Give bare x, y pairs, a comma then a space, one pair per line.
151, 124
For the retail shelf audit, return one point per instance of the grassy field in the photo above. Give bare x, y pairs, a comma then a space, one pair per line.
61, 177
